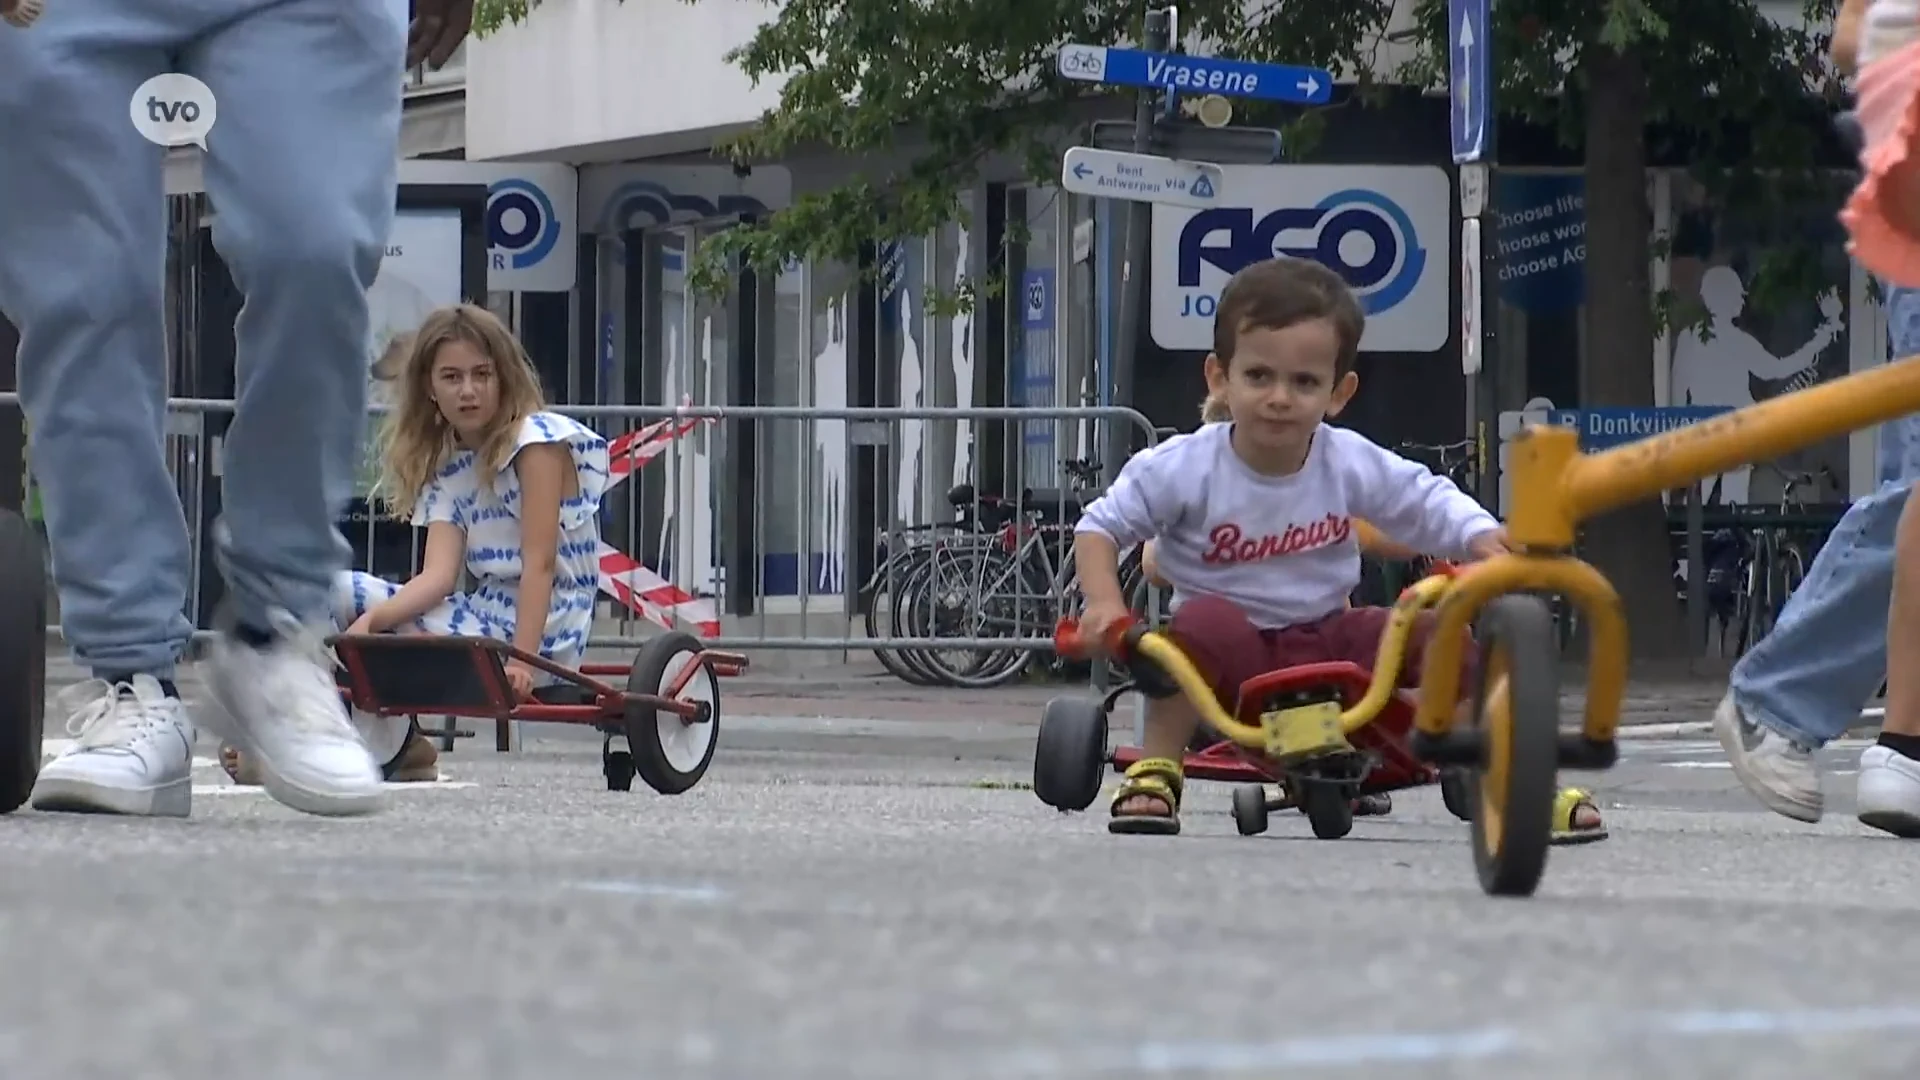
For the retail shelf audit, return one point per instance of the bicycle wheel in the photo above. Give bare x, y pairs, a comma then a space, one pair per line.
888, 585
1759, 600
954, 597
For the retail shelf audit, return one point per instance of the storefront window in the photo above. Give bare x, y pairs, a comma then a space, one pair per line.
902, 332
1033, 329
948, 347
830, 308
784, 469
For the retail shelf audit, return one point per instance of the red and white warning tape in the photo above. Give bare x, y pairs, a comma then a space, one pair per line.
626, 578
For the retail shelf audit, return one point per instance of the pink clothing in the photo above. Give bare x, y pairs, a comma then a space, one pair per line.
1888, 108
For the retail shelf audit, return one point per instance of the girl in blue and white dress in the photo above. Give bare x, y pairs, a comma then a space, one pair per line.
501, 485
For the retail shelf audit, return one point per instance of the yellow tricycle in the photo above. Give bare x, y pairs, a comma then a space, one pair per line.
1513, 747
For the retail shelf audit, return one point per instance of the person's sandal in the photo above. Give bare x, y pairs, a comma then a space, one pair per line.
240, 769
1566, 808
418, 762
1152, 778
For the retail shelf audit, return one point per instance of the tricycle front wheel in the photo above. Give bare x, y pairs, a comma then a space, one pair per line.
1070, 755
1517, 709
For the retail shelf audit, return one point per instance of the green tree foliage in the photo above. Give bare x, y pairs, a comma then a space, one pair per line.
967, 82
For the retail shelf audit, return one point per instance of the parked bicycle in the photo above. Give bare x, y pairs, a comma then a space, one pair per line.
1002, 570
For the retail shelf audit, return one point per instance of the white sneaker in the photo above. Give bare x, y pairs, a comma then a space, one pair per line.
132, 753
1889, 795
280, 705
1780, 773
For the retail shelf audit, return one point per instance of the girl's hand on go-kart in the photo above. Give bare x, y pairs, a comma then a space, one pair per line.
1098, 621
363, 625
1489, 544
520, 677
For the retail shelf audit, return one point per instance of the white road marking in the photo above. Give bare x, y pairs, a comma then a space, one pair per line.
237, 789
1372, 1049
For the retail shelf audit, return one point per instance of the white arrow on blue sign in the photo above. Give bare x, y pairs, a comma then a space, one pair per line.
1141, 178
1469, 78
1196, 74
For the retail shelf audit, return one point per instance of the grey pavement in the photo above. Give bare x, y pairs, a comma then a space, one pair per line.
873, 905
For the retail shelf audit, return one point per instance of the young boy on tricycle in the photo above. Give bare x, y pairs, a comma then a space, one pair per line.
1254, 520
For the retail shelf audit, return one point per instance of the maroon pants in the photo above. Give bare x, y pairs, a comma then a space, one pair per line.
1229, 650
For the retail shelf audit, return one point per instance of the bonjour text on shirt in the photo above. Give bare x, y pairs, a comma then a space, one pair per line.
1280, 547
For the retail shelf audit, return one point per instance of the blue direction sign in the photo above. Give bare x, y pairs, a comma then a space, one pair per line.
1196, 74
1469, 78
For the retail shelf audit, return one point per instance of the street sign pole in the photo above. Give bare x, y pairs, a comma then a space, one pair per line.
1160, 158
1474, 116
1136, 235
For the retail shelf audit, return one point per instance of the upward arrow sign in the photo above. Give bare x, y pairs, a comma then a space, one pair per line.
1466, 67
1472, 89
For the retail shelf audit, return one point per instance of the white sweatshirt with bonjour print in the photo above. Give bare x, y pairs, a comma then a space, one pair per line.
1280, 547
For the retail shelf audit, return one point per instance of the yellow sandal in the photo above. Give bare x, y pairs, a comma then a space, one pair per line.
1154, 778
1565, 806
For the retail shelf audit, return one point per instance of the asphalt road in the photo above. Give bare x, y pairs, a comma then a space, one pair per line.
838, 903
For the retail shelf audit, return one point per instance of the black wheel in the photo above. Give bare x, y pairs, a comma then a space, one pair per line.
618, 766
669, 753
1456, 790
1250, 809
23, 658
1070, 756
1517, 709
1329, 809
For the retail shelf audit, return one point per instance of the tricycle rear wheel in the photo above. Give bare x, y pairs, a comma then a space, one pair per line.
1457, 792
670, 753
1250, 809
1329, 808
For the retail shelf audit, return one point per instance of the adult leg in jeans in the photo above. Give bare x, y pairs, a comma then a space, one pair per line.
80, 275
1889, 796
301, 168
302, 171
1803, 684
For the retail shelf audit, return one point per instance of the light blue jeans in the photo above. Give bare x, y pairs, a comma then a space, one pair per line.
1828, 653
301, 168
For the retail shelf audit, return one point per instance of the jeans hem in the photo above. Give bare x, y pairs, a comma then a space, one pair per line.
1760, 717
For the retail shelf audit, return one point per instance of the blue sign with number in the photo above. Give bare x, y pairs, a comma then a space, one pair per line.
1036, 300
1469, 78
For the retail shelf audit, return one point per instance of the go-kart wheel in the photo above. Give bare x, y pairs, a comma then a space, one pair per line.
1329, 809
669, 753
23, 658
1070, 755
1250, 809
1456, 791
1517, 709
618, 767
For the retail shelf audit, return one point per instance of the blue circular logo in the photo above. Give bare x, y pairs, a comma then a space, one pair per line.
1390, 271
521, 222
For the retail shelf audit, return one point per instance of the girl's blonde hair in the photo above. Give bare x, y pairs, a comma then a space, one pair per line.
416, 440
1214, 409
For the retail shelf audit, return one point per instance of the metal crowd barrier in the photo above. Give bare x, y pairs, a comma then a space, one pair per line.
910, 532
